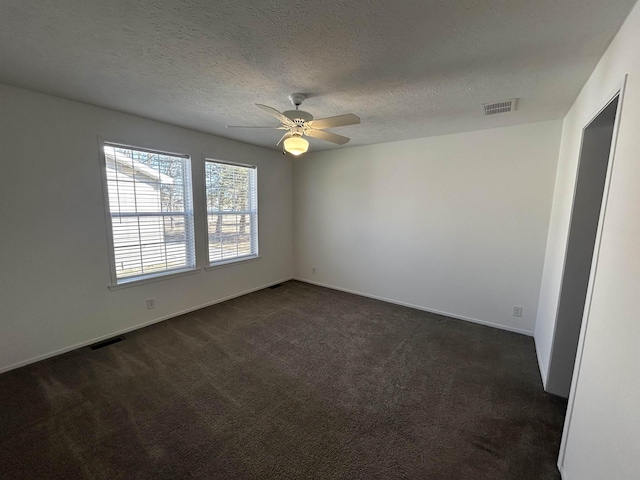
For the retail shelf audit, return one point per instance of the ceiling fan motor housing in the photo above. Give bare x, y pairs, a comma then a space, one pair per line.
298, 115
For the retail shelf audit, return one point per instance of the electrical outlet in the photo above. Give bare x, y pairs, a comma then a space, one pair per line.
151, 303
517, 311
313, 270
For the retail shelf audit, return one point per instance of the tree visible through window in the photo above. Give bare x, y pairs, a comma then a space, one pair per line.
232, 217
150, 205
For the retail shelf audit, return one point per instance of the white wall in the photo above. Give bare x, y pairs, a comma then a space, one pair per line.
53, 242
602, 433
454, 224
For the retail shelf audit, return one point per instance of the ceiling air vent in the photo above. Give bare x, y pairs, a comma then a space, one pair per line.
499, 107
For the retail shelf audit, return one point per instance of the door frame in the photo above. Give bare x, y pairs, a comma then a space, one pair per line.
619, 93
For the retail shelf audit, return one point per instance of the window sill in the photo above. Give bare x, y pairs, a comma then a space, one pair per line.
234, 261
134, 282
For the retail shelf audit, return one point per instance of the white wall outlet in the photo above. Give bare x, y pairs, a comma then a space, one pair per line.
151, 303
517, 311
313, 270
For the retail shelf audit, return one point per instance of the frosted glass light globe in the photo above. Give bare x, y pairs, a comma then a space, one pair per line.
296, 145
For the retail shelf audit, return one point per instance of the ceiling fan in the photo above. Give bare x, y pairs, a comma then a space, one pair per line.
299, 124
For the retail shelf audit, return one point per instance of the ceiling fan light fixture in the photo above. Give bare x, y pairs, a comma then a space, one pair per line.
296, 145
299, 124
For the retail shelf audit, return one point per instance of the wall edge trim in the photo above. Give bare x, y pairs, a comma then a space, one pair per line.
543, 372
562, 474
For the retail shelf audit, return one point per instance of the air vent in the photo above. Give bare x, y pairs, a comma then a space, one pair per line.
499, 107
277, 285
106, 343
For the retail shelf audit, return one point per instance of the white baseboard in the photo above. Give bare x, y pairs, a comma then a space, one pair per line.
131, 329
419, 307
220, 300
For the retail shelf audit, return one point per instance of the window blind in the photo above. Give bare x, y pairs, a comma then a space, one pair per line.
232, 211
150, 206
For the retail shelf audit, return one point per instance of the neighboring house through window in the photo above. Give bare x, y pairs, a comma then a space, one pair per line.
150, 208
232, 211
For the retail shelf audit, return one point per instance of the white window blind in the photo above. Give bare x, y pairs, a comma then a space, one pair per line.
150, 205
232, 211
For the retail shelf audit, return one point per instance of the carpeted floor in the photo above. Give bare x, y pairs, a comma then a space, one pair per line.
297, 382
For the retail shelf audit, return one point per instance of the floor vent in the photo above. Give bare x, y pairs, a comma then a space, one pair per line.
277, 285
106, 343
499, 107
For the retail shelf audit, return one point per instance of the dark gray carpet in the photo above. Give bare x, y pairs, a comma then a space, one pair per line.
297, 382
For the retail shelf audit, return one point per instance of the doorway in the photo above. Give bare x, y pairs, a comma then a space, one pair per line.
593, 164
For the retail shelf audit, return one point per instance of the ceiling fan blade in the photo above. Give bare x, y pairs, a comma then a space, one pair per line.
286, 135
337, 121
329, 137
275, 113
281, 127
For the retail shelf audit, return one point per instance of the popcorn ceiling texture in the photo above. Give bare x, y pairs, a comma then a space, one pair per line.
409, 69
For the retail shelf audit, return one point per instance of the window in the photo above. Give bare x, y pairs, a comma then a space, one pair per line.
150, 206
232, 211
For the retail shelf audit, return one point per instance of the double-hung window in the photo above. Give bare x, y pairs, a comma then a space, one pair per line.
232, 211
150, 210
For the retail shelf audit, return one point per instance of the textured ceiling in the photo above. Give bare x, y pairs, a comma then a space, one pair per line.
408, 68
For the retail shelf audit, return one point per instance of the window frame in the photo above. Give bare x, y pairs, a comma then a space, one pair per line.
189, 213
253, 213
